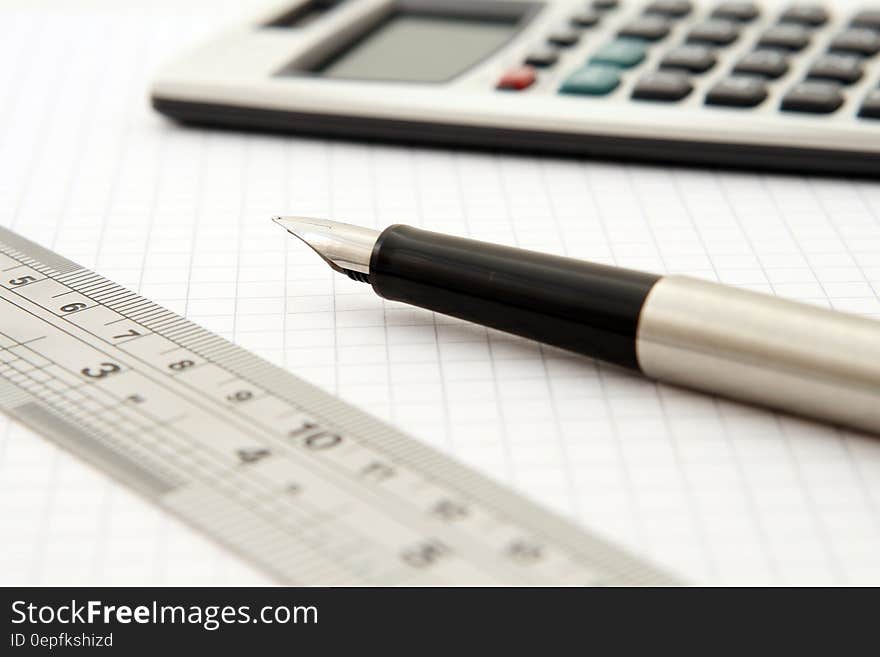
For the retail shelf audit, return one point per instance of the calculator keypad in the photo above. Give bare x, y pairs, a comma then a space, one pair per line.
805, 57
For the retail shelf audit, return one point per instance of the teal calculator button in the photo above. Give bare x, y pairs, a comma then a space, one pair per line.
592, 80
625, 53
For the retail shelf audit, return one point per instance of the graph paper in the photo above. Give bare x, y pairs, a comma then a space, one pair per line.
716, 491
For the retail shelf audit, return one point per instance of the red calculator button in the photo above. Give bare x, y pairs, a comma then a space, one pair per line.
518, 78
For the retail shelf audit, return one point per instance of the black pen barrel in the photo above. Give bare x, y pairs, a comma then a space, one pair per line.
583, 307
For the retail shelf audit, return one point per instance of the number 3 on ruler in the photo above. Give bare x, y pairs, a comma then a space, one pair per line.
105, 369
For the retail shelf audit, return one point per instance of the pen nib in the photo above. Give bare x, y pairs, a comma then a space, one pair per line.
346, 248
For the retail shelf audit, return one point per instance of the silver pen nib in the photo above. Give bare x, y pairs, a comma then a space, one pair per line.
344, 247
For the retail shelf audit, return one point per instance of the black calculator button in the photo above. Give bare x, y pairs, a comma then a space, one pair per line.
805, 14
605, 5
857, 40
585, 18
542, 57
651, 28
813, 98
868, 19
771, 64
871, 106
664, 86
564, 37
840, 68
693, 58
787, 36
744, 12
714, 32
670, 8
738, 91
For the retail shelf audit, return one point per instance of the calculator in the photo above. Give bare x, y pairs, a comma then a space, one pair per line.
721, 83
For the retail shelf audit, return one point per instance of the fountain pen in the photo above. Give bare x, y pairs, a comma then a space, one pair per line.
719, 339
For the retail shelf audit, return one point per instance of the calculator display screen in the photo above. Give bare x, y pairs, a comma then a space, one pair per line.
416, 48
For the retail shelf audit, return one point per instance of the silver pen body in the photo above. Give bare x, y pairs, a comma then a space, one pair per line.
763, 350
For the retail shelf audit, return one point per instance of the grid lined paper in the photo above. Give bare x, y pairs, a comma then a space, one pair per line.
716, 491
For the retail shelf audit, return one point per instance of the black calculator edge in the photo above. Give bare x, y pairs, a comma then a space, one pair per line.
773, 158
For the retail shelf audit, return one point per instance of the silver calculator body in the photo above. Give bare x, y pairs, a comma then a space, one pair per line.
762, 85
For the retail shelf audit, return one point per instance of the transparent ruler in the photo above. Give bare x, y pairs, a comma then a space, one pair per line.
292, 479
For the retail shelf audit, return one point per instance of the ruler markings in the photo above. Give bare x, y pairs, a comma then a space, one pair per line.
167, 326
85, 280
127, 298
176, 348
148, 314
172, 321
201, 345
115, 321
128, 308
91, 279
184, 332
182, 328
77, 275
123, 298
96, 286
116, 297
